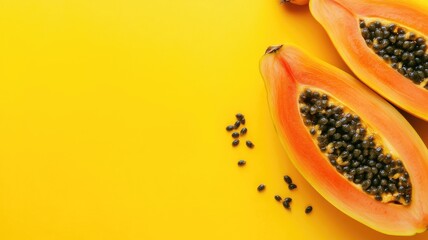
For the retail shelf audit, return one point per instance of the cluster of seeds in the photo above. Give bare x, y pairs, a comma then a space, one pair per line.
344, 139
403, 51
240, 120
290, 183
286, 202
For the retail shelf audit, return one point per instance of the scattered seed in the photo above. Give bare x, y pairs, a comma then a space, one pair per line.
292, 186
288, 199
308, 209
243, 131
235, 134
261, 187
288, 179
241, 163
230, 128
249, 144
243, 121
237, 124
239, 116
235, 142
278, 198
286, 204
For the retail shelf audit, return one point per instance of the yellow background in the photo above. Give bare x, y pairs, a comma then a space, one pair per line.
113, 116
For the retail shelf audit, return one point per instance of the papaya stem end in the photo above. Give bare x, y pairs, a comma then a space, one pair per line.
273, 49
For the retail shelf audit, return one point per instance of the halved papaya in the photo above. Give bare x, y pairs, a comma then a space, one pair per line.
349, 143
384, 43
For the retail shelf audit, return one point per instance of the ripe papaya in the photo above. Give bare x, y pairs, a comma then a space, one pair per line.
384, 43
348, 142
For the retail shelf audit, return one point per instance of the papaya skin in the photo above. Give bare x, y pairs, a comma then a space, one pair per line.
287, 71
367, 66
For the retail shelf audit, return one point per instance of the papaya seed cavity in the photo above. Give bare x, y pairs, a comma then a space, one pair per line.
353, 150
402, 49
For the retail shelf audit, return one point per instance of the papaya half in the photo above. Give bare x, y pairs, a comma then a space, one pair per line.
384, 43
348, 142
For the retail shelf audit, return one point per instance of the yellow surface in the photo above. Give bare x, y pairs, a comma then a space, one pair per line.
112, 117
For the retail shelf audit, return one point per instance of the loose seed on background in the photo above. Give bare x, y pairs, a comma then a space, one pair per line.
288, 179
288, 199
239, 116
235, 142
230, 128
308, 209
243, 131
241, 162
261, 187
292, 186
235, 134
237, 124
278, 198
286, 204
249, 144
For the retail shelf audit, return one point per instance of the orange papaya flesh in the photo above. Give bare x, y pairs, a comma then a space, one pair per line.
402, 80
288, 74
